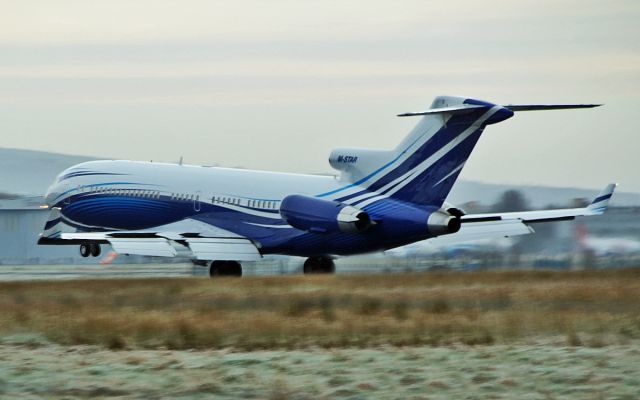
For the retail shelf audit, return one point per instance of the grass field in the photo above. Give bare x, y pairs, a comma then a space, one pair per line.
539, 371
590, 308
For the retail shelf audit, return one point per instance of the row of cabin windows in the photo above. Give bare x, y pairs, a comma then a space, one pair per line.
249, 203
226, 200
150, 194
184, 197
154, 194
263, 204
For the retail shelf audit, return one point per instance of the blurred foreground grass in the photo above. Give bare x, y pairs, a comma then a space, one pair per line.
592, 308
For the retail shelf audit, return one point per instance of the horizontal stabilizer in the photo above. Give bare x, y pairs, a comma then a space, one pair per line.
542, 107
464, 108
461, 109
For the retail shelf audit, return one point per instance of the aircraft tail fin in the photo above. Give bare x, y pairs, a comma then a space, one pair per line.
424, 166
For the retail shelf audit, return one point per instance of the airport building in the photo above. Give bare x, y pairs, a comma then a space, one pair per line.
22, 221
19, 230
614, 239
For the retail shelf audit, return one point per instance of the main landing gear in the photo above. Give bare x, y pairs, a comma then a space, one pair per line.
90, 249
319, 265
225, 268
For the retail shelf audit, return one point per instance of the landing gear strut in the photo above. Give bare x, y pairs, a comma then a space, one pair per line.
319, 265
90, 249
225, 268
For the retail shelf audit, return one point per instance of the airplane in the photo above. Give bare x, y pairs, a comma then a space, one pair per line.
427, 248
222, 216
605, 246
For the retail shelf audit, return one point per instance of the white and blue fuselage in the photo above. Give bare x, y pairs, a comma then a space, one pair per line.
382, 199
131, 195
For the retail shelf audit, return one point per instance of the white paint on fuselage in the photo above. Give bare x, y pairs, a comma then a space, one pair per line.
205, 182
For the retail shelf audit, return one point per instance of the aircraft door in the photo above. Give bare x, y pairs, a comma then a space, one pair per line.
196, 203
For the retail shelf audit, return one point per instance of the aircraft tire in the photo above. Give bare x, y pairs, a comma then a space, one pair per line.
225, 268
95, 250
85, 250
319, 265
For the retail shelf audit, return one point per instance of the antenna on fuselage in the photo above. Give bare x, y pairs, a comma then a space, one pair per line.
180, 162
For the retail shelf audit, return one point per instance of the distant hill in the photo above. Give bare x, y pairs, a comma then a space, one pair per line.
29, 173
537, 196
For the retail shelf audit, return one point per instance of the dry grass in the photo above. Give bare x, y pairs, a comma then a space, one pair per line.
586, 308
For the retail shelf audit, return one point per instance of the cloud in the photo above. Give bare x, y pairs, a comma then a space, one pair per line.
233, 78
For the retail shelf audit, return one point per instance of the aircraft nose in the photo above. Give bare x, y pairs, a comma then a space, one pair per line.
51, 195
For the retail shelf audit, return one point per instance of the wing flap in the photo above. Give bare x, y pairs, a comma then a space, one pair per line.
223, 249
143, 246
483, 230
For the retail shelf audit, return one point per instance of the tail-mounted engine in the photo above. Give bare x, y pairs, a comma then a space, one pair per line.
444, 222
323, 216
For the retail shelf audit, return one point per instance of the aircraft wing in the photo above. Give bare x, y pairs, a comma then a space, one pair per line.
483, 230
187, 238
597, 207
496, 225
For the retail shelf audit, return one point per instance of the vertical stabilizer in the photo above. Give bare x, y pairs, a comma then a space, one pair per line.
424, 166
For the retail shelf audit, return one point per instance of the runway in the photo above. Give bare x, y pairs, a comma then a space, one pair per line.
281, 266
66, 272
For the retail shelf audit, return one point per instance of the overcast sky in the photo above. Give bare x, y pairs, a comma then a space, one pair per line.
277, 84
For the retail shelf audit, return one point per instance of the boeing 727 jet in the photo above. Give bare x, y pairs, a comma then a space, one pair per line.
381, 200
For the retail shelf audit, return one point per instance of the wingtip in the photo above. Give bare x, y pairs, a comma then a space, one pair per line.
609, 189
601, 202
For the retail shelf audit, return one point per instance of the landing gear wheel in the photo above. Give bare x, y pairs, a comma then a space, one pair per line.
319, 265
95, 249
225, 268
85, 250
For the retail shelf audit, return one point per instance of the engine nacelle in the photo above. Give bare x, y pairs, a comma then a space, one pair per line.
443, 223
322, 216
